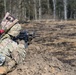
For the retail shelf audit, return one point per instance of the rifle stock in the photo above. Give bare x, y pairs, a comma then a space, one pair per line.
6, 31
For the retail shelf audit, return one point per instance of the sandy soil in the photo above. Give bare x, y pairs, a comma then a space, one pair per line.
51, 52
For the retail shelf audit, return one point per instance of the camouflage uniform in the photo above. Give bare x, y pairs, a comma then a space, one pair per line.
14, 53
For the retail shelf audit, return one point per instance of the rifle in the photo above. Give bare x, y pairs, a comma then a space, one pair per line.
6, 31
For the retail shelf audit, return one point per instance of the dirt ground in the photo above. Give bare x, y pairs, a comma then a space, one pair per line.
52, 51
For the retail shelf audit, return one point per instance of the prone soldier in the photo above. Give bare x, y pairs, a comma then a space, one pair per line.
11, 53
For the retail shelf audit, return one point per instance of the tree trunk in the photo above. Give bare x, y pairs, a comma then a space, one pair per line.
5, 6
54, 9
35, 9
40, 15
65, 9
29, 12
20, 9
25, 16
48, 6
17, 9
10, 5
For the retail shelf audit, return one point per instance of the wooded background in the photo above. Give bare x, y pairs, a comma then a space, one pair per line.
39, 9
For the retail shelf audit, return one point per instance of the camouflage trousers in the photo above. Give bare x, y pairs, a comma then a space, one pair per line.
14, 53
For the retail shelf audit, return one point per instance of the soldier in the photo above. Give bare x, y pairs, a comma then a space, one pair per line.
11, 53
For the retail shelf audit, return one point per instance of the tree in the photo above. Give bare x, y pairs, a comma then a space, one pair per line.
5, 6
35, 9
10, 6
1, 9
48, 6
40, 15
71, 9
60, 9
54, 8
65, 9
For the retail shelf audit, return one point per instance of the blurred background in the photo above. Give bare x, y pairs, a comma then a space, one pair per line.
39, 9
